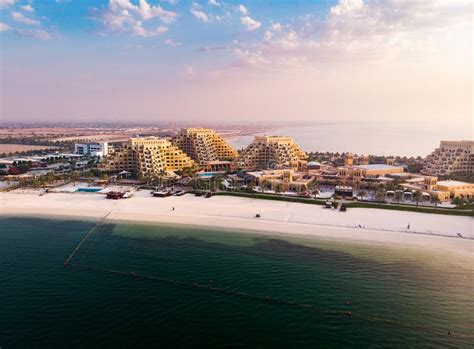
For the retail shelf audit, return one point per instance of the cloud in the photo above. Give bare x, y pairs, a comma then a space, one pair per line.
35, 33
7, 3
122, 16
27, 8
242, 9
172, 43
213, 3
250, 23
4, 27
21, 18
198, 13
362, 30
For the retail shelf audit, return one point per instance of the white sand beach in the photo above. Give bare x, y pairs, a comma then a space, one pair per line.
387, 227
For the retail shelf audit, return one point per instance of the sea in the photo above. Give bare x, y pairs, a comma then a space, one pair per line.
374, 138
164, 286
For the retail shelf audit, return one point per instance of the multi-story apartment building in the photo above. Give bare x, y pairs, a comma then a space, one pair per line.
451, 157
147, 156
267, 152
91, 149
204, 145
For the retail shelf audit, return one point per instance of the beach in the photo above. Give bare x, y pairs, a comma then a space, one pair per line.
378, 226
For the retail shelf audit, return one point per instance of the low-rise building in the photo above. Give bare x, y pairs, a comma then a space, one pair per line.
282, 180
441, 190
91, 149
367, 172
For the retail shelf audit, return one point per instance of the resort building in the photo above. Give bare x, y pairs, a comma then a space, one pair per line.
366, 172
147, 156
443, 190
451, 157
91, 149
267, 152
204, 145
282, 181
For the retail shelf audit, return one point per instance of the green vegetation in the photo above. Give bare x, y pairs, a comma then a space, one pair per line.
402, 207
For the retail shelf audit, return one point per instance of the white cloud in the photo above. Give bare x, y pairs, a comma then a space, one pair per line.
4, 27
200, 15
242, 9
35, 33
27, 8
250, 23
172, 43
213, 3
6, 3
122, 16
365, 31
21, 18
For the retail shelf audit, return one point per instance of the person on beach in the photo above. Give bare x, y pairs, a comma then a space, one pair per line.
172, 209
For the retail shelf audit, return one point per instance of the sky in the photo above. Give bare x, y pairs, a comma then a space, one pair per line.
237, 61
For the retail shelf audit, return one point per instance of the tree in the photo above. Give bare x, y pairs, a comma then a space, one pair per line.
362, 193
417, 197
458, 201
398, 196
380, 195
74, 177
279, 188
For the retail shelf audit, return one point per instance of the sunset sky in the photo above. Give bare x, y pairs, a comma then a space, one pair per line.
237, 61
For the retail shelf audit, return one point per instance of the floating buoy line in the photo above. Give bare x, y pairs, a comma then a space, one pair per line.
244, 295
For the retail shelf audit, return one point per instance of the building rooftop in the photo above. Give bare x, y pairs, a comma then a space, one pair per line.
452, 183
377, 167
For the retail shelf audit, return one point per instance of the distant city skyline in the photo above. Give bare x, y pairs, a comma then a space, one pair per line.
237, 61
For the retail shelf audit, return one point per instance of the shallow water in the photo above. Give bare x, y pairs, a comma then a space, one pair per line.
187, 297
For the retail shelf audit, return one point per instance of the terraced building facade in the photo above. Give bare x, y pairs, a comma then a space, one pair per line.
270, 152
147, 156
204, 145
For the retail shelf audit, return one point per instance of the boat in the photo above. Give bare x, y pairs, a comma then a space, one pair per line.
127, 195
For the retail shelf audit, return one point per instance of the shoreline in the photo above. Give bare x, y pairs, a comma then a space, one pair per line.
238, 214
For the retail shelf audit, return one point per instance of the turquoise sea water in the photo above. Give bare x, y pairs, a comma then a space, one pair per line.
195, 287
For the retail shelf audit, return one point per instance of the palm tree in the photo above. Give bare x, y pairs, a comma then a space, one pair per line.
398, 196
251, 185
458, 201
279, 188
417, 197
263, 185
380, 195
362, 193
74, 177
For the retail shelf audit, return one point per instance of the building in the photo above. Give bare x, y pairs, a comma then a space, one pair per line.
91, 149
367, 172
267, 152
451, 157
147, 156
204, 145
442, 190
282, 181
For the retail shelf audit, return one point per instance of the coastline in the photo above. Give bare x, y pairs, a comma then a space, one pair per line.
433, 232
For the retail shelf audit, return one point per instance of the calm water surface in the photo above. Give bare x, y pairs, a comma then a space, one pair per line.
397, 298
387, 138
